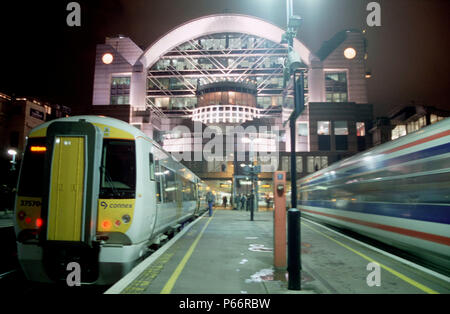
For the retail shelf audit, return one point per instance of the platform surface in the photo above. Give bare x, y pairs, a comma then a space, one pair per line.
229, 254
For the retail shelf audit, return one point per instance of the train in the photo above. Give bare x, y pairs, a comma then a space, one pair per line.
99, 192
397, 193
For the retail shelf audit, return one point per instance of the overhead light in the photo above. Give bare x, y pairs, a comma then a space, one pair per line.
368, 75
107, 58
12, 152
349, 53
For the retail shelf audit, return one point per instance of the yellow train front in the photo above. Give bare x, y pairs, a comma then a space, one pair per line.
98, 192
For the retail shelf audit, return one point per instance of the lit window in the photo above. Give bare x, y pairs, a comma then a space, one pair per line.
323, 127
120, 90
398, 131
336, 86
360, 129
340, 128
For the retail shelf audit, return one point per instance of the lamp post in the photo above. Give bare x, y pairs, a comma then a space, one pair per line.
13, 153
253, 170
293, 66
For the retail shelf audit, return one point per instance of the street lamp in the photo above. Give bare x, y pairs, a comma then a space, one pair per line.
13, 153
294, 65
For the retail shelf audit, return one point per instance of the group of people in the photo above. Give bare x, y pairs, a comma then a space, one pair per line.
241, 202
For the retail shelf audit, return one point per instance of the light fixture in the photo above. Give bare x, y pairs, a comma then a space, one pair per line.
349, 53
107, 58
368, 75
12, 152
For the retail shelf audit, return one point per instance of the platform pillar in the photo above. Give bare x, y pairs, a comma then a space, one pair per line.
279, 219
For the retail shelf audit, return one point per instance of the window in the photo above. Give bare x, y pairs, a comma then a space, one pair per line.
323, 130
32, 172
398, 131
315, 163
120, 90
340, 128
303, 129
336, 86
151, 167
360, 129
169, 186
285, 166
118, 169
435, 118
299, 163
323, 127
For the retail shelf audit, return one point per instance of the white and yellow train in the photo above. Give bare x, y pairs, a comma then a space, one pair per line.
99, 192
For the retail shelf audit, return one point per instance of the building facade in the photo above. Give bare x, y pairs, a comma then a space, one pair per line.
223, 74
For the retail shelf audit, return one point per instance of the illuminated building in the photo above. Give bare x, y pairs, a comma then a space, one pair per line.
227, 70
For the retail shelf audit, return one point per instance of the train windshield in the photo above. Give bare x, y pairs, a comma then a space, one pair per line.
32, 172
118, 169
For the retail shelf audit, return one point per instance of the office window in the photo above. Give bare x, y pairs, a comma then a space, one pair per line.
340, 128
285, 165
120, 90
323, 130
323, 127
299, 164
360, 129
302, 129
336, 86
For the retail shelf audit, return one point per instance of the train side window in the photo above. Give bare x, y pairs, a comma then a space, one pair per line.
159, 180
151, 167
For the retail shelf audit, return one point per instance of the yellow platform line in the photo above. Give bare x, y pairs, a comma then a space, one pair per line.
173, 279
392, 271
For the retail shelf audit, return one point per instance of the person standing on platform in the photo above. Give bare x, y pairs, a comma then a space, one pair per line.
210, 201
243, 201
225, 200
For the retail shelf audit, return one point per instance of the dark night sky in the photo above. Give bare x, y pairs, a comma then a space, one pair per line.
41, 56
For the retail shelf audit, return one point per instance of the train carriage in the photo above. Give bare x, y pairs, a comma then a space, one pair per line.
398, 193
99, 192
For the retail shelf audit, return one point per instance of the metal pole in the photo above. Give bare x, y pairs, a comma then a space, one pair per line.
292, 126
294, 264
252, 205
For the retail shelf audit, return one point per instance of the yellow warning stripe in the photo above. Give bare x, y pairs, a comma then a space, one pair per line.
394, 272
173, 279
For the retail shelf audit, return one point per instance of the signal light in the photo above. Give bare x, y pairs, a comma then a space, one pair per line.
106, 224
39, 222
38, 149
27, 220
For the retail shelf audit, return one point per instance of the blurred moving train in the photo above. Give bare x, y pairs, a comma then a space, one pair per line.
99, 192
397, 193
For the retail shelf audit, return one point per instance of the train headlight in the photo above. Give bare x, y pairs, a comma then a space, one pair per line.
126, 219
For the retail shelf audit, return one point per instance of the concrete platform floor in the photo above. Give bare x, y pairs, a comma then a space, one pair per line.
229, 254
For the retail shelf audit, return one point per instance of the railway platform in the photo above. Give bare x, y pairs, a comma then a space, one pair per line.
229, 254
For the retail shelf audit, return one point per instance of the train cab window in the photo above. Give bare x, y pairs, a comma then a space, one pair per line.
118, 169
32, 173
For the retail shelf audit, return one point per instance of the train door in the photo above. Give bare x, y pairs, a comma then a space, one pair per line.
67, 189
72, 179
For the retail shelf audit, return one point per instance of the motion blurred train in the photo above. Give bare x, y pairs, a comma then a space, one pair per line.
397, 193
99, 192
